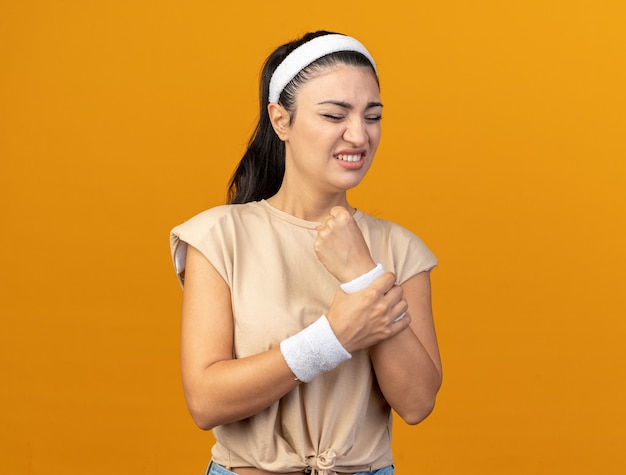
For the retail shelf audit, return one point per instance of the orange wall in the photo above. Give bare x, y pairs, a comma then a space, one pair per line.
503, 147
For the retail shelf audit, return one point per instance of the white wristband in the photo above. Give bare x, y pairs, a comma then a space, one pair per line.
363, 281
355, 285
313, 351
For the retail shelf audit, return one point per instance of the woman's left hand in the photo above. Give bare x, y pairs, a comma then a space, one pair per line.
340, 246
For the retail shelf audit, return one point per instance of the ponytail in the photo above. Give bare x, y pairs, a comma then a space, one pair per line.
260, 171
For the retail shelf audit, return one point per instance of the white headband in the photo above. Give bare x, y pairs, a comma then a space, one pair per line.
311, 51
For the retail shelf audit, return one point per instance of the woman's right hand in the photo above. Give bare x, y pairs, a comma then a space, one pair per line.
340, 246
364, 318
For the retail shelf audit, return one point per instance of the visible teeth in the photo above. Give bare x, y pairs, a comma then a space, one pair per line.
349, 158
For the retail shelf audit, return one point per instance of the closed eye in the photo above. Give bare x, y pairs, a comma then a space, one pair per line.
332, 117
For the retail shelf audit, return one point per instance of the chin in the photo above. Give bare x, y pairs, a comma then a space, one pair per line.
348, 184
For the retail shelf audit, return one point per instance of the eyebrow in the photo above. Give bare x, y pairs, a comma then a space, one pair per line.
347, 105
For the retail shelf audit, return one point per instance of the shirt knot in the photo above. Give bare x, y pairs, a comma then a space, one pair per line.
322, 464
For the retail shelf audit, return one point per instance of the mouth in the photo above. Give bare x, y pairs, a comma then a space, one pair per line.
347, 157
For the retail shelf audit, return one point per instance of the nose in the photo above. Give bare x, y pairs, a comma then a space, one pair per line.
356, 133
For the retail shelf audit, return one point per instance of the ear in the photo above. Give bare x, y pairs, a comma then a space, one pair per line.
279, 117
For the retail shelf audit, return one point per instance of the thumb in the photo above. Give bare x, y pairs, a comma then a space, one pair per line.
385, 282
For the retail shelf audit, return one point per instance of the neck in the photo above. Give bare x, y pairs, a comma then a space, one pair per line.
308, 206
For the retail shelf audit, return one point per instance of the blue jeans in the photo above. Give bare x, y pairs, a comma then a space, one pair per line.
215, 469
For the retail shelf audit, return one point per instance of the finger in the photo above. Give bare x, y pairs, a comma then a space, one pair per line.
399, 317
395, 293
322, 231
320, 243
399, 310
337, 211
341, 214
384, 283
325, 220
401, 322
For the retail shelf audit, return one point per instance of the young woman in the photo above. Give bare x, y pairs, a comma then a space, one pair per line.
304, 319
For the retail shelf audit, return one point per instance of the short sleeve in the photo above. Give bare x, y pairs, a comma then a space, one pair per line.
209, 232
178, 248
398, 249
411, 255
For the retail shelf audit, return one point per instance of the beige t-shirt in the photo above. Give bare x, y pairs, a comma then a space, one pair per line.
340, 421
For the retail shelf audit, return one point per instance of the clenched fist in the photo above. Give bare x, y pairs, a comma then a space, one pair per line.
340, 246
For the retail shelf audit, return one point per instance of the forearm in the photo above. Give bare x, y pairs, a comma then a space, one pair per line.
218, 388
256, 382
234, 389
407, 375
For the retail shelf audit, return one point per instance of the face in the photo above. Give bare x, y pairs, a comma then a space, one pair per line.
331, 141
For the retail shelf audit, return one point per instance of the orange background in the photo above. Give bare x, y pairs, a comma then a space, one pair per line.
503, 148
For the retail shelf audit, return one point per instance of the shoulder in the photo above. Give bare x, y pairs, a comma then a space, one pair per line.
221, 216
402, 250
212, 232
387, 228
